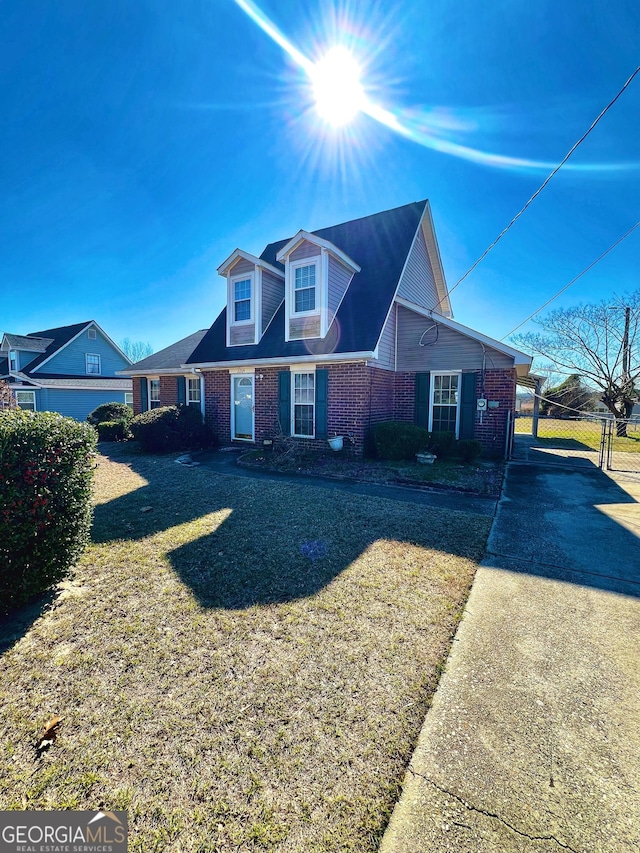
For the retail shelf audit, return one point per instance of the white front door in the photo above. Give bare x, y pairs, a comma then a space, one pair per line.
242, 415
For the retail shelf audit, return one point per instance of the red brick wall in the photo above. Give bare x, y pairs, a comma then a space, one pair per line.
499, 386
168, 391
137, 396
359, 397
217, 404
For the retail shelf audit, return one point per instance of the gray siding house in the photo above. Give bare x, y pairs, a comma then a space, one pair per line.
69, 369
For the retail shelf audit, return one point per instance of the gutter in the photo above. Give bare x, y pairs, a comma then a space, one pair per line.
283, 361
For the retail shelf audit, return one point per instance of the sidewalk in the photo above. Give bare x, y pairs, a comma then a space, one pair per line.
533, 739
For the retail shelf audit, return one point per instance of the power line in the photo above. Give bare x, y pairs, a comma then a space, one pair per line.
543, 185
573, 280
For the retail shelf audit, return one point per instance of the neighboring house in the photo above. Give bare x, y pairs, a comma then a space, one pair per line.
70, 370
162, 380
332, 331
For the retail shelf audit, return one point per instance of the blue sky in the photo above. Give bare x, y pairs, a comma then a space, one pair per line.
142, 142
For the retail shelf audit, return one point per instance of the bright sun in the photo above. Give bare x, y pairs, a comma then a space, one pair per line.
337, 89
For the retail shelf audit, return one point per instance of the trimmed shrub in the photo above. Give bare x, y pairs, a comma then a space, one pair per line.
399, 440
110, 412
113, 430
469, 449
46, 471
169, 429
443, 444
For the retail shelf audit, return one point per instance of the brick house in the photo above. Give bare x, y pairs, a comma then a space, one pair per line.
332, 331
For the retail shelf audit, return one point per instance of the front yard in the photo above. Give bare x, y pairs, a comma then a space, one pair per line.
242, 665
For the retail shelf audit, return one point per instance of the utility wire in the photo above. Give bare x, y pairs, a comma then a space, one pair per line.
573, 280
542, 186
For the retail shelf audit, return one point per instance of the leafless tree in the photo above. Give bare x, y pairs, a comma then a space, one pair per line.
136, 350
7, 400
601, 342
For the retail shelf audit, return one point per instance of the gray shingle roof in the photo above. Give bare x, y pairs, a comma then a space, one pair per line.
380, 244
28, 342
172, 356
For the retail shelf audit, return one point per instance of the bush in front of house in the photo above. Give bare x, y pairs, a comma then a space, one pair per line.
395, 440
469, 449
110, 412
443, 444
114, 430
46, 473
169, 429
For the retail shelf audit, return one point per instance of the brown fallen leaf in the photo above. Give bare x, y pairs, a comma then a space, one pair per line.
49, 733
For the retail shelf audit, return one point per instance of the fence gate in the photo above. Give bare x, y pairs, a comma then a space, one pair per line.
622, 445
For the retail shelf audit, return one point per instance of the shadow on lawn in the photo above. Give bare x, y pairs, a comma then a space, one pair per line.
272, 541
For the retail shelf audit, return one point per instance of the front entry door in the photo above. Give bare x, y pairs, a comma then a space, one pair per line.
242, 420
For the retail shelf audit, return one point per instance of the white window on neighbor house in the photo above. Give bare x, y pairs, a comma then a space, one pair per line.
154, 393
128, 398
13, 360
444, 411
93, 363
193, 392
26, 400
303, 404
241, 290
304, 287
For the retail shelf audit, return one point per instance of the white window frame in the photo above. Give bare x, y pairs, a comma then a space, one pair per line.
318, 286
150, 381
128, 398
91, 334
298, 372
33, 398
88, 355
13, 357
432, 388
250, 277
189, 380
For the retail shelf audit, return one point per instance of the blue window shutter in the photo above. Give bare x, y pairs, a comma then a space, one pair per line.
284, 401
182, 390
144, 397
322, 402
422, 400
467, 405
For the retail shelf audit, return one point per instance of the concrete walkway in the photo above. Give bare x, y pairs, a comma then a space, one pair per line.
533, 739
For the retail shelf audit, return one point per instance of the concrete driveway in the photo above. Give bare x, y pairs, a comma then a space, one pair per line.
533, 739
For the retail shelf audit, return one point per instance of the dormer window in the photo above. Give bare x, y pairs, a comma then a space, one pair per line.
13, 360
242, 300
305, 287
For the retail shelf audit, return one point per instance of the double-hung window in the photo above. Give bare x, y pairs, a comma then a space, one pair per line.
445, 388
303, 404
93, 363
241, 300
154, 393
193, 392
304, 287
26, 400
13, 360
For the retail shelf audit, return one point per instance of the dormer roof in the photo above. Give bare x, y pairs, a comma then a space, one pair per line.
240, 254
301, 236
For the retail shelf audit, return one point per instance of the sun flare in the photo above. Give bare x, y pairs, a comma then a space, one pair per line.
337, 89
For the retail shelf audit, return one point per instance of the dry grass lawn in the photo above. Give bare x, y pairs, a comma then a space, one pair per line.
242, 665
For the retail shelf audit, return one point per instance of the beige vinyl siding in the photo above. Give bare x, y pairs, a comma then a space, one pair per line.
272, 296
242, 267
417, 283
339, 277
445, 349
304, 250
387, 345
244, 334
304, 327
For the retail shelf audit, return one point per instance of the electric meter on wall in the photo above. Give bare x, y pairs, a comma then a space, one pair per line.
482, 404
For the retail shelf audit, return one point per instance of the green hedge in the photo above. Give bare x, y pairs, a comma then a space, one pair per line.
110, 412
169, 429
399, 440
443, 444
46, 471
114, 430
469, 449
